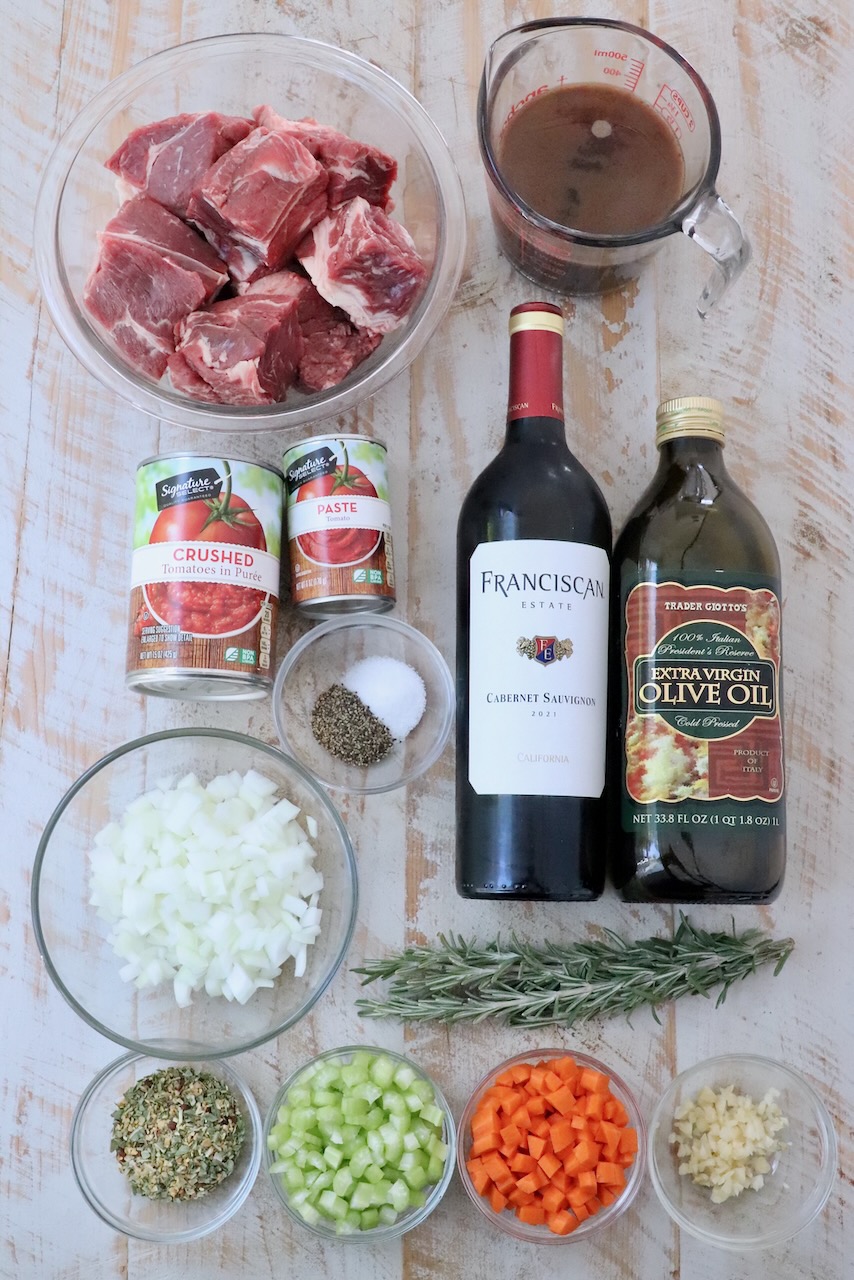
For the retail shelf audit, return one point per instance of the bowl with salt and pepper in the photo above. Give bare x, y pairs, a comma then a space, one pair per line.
365, 703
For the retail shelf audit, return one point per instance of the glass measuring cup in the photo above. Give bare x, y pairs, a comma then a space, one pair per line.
529, 60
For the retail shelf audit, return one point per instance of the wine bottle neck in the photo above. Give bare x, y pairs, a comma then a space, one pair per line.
536, 376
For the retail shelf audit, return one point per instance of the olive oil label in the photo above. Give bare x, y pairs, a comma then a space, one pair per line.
538, 668
702, 693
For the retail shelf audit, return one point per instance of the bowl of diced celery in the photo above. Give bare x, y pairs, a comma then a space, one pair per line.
360, 1144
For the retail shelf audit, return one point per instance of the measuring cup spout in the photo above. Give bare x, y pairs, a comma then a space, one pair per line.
716, 229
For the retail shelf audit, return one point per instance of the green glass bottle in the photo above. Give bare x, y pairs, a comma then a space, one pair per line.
696, 744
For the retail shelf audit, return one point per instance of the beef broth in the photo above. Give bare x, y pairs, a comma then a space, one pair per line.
593, 158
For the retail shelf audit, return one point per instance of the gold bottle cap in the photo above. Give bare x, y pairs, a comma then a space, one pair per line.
689, 416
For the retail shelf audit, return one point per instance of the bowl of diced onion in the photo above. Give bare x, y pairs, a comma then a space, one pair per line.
360, 1144
742, 1152
194, 893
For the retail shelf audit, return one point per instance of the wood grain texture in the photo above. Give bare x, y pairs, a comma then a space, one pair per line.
777, 352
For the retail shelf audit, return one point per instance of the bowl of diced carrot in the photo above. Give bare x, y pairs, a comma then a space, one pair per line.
551, 1146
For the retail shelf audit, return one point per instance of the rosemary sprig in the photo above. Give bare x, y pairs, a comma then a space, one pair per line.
529, 986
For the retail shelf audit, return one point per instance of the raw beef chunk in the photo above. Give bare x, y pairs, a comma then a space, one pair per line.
144, 221
354, 168
247, 350
168, 159
366, 264
262, 196
139, 296
333, 346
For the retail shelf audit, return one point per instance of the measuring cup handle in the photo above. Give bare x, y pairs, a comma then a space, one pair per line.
717, 230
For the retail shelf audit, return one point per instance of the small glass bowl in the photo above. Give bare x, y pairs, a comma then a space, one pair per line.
74, 941
506, 1220
320, 659
107, 1189
409, 1218
803, 1174
233, 74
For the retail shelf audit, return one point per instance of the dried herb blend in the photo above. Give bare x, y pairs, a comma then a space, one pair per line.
177, 1134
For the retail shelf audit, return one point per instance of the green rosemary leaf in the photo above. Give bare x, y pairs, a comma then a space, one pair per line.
532, 986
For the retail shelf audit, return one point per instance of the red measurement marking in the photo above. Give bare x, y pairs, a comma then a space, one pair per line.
633, 74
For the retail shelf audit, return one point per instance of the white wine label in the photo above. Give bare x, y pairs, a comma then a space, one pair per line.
538, 655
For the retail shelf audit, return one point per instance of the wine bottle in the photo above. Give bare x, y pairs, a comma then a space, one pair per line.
533, 562
697, 746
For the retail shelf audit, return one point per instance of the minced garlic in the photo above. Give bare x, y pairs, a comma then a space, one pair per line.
724, 1139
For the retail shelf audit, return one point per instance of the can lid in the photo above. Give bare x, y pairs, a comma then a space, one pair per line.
689, 416
536, 315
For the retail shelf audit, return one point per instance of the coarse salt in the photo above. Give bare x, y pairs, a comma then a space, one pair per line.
393, 690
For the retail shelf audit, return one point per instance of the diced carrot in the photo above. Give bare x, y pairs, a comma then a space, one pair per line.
549, 1163
536, 1146
498, 1171
562, 1099
518, 1197
552, 1199
566, 1068
563, 1136
533, 1181
629, 1141
497, 1200
480, 1179
594, 1106
595, 1082
614, 1110
610, 1174
562, 1222
533, 1214
550, 1141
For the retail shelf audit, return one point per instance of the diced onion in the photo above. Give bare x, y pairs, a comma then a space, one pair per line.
210, 888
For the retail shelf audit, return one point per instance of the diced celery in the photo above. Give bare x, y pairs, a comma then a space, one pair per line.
362, 1196
374, 1118
394, 1102
412, 1160
373, 1173
333, 1156
435, 1169
325, 1098
398, 1195
437, 1147
354, 1109
309, 1214
343, 1182
369, 1218
388, 1215
382, 1071
333, 1206
416, 1177
431, 1114
404, 1076
359, 1161
293, 1177
368, 1090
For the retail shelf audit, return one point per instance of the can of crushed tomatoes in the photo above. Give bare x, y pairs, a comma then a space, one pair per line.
338, 521
204, 577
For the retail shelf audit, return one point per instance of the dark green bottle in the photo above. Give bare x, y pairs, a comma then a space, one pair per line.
696, 744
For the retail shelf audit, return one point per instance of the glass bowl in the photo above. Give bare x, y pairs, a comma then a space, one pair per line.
802, 1176
410, 1217
506, 1219
106, 1187
74, 941
320, 659
234, 74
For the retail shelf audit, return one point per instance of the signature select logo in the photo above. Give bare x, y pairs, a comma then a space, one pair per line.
544, 649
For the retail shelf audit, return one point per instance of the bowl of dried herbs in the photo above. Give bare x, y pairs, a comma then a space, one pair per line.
166, 1151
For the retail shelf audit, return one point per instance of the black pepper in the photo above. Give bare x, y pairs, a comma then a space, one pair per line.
348, 729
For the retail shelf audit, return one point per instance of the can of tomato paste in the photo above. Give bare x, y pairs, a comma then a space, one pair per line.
338, 521
204, 577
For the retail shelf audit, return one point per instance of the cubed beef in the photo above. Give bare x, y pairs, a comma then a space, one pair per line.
354, 168
262, 196
333, 346
364, 263
138, 296
144, 221
168, 159
246, 349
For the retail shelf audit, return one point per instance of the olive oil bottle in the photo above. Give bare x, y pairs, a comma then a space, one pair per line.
696, 742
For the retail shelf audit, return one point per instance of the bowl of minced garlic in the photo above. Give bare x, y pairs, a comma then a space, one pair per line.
742, 1152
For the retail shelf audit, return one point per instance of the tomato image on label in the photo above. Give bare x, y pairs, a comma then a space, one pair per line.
331, 492
204, 607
